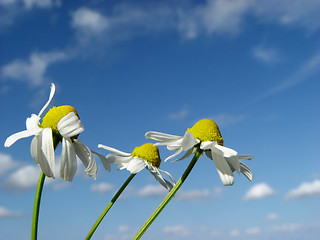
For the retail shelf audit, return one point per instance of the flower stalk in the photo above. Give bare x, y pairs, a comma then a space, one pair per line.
106, 210
37, 199
170, 195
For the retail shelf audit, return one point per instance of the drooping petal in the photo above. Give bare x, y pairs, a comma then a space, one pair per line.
104, 160
161, 137
68, 165
155, 172
70, 125
173, 155
120, 153
85, 155
39, 157
165, 172
136, 165
115, 158
186, 155
47, 147
227, 152
52, 91
234, 162
246, 171
23, 134
188, 141
245, 157
222, 167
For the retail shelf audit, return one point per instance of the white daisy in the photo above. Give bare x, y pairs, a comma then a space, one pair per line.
206, 135
145, 156
60, 124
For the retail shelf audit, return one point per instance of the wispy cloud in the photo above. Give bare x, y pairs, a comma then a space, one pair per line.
266, 55
22, 179
272, 217
178, 230
225, 119
6, 213
305, 190
193, 195
101, 188
253, 231
179, 115
7, 163
152, 191
259, 191
33, 70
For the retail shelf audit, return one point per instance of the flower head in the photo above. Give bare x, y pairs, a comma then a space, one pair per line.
60, 124
206, 135
144, 156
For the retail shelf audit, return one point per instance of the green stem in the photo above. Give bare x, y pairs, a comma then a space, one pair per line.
170, 195
106, 210
37, 199
36, 207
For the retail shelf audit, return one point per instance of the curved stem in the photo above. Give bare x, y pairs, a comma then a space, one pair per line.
170, 195
36, 207
106, 210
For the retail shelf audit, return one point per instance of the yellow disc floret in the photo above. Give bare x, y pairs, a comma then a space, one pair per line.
149, 153
54, 115
206, 130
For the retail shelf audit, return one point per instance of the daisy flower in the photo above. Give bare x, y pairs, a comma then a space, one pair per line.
144, 156
206, 135
60, 124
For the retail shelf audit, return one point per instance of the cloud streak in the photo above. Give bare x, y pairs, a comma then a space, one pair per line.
305, 190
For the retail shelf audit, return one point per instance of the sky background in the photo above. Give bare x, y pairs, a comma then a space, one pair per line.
129, 67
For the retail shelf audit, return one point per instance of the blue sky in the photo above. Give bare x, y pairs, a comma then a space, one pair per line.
129, 67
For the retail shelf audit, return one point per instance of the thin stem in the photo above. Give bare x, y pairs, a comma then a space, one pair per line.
36, 207
106, 210
170, 195
37, 199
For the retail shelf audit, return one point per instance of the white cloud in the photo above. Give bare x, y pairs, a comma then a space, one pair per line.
6, 213
152, 191
273, 216
101, 187
225, 119
259, 191
234, 233
178, 230
123, 228
33, 70
287, 227
29, 4
266, 55
253, 231
22, 179
180, 115
193, 195
89, 21
305, 190
6, 163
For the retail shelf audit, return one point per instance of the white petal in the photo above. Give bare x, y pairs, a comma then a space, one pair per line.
70, 125
161, 137
223, 168
104, 160
246, 171
136, 165
186, 155
115, 158
23, 134
234, 162
165, 172
245, 157
33, 121
173, 155
68, 166
85, 155
39, 157
207, 145
227, 152
188, 141
52, 91
120, 153
155, 172
47, 147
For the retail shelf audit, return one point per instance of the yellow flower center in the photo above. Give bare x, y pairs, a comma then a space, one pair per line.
54, 115
206, 130
149, 153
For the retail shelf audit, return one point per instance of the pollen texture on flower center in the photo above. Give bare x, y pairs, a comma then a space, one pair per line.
206, 130
54, 115
149, 153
